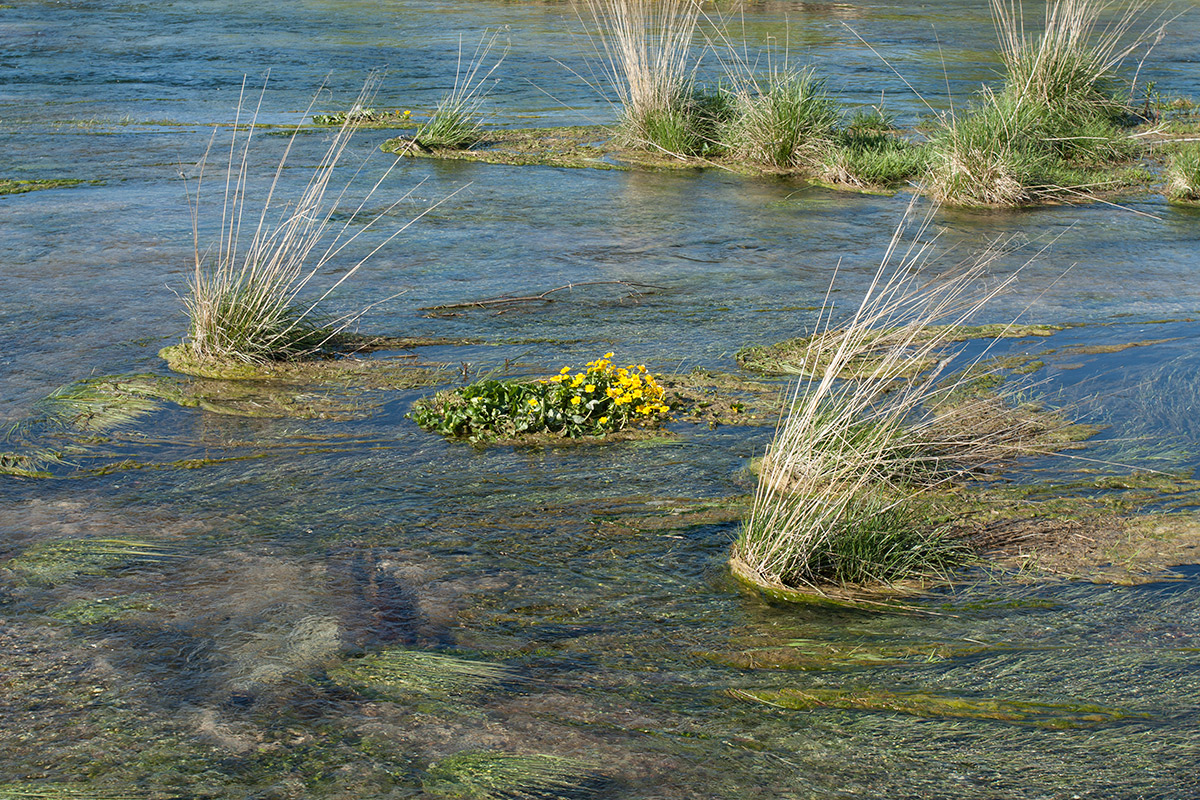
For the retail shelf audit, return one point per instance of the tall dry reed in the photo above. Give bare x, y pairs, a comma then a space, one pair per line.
249, 297
840, 487
649, 61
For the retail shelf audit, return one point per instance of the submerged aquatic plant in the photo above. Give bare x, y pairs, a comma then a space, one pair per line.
55, 562
59, 791
599, 400
397, 673
455, 124
101, 404
487, 775
244, 301
1055, 716
650, 65
841, 487
67, 420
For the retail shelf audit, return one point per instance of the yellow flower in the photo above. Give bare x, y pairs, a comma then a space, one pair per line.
602, 420
576, 400
564, 370
591, 387
608, 355
533, 402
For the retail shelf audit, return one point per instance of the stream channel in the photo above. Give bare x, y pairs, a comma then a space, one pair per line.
559, 621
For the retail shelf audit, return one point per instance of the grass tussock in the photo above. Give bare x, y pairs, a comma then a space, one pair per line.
457, 122
1071, 63
843, 489
1060, 124
870, 153
649, 61
783, 120
1183, 174
253, 297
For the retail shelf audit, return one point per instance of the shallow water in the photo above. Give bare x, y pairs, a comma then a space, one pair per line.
275, 553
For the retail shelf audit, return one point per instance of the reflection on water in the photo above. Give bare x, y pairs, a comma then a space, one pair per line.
340, 605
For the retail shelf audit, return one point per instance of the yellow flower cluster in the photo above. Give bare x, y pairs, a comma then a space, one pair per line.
631, 389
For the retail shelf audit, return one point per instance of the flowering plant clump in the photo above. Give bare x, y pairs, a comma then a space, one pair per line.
599, 400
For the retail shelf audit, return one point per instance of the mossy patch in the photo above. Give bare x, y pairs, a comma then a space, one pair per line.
8, 186
375, 373
1057, 716
572, 146
368, 118
711, 397
810, 355
897, 595
104, 609
1095, 349
1119, 529
875, 165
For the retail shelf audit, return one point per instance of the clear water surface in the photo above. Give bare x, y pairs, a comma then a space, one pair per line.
302, 548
